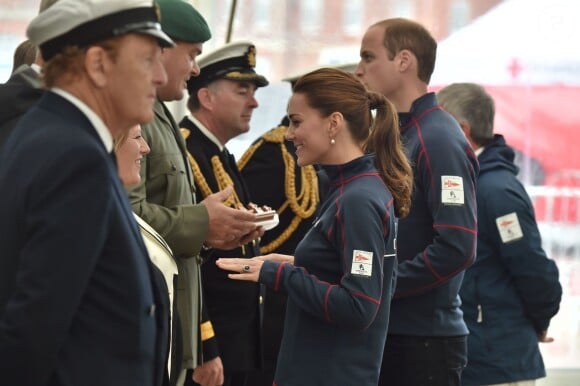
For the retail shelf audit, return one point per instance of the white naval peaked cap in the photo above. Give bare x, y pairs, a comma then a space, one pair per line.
233, 61
85, 22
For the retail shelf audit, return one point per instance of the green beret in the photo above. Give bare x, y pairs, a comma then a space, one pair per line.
182, 22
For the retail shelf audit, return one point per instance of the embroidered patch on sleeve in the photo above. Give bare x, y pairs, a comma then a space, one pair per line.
509, 227
362, 263
452, 190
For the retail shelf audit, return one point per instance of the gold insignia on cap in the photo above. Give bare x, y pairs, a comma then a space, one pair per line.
240, 75
251, 56
157, 11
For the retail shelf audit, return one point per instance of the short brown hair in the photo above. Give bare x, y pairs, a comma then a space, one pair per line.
25, 53
403, 34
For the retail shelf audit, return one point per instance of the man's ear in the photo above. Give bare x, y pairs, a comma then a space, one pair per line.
97, 64
406, 60
205, 98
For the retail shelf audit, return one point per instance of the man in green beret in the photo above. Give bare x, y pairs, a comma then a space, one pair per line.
165, 198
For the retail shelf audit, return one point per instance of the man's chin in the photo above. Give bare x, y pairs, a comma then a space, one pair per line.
168, 95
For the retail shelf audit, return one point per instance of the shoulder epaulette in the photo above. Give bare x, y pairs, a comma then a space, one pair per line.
304, 203
276, 135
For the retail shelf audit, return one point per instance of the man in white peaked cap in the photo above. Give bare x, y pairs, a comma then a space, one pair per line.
80, 302
221, 101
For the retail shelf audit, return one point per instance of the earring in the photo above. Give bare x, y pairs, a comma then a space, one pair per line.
332, 141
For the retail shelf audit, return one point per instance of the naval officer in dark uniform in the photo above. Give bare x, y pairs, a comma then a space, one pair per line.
221, 103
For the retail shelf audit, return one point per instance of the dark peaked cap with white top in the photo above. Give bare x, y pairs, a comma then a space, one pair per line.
82, 23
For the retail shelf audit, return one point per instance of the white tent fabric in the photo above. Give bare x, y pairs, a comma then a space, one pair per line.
517, 42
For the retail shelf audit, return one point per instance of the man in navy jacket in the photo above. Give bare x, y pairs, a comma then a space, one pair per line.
80, 302
512, 291
426, 344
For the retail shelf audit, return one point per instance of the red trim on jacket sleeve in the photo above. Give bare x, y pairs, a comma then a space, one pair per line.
278, 276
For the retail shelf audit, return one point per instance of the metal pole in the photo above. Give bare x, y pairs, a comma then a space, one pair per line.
231, 20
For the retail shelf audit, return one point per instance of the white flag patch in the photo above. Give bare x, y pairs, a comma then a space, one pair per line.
452, 190
509, 227
362, 263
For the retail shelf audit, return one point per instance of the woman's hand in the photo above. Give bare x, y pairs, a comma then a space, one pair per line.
246, 269
276, 257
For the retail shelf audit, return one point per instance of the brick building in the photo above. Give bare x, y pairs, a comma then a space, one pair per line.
292, 35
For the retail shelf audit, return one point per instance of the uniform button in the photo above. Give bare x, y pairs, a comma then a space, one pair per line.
151, 310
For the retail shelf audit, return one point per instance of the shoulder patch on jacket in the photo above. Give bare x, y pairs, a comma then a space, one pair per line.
452, 190
509, 227
362, 263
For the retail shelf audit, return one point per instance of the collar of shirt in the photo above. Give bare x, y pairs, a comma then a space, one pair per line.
479, 151
36, 68
205, 131
95, 120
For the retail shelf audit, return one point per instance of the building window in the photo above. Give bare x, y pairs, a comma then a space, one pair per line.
352, 17
311, 15
459, 11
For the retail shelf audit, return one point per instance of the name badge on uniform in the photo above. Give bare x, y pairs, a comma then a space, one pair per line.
452, 190
509, 227
362, 263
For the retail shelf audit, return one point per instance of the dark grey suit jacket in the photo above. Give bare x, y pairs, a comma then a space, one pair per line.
17, 96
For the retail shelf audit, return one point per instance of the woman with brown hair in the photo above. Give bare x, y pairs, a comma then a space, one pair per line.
340, 280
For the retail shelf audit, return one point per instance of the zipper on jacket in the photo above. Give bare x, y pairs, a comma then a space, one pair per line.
479, 318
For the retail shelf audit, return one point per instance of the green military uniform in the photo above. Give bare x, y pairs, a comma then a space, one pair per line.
165, 199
